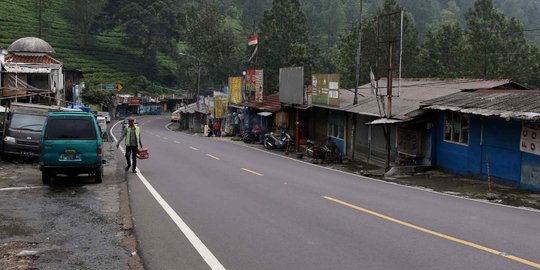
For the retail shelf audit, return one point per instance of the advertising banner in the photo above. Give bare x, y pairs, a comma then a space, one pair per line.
530, 138
220, 105
235, 89
325, 89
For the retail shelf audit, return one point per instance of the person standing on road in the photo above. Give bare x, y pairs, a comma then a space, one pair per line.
132, 135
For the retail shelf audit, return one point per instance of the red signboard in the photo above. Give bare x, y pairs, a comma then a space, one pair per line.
134, 101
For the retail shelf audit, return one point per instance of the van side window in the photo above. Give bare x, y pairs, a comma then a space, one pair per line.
70, 129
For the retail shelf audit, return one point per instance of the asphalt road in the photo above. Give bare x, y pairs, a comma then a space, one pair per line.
249, 209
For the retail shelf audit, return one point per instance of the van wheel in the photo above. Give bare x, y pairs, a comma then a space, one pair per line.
46, 178
98, 176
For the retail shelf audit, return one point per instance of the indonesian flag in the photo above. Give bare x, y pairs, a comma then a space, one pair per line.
253, 41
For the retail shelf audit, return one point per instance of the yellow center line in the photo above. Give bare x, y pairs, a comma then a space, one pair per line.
193, 148
177, 142
214, 157
165, 138
250, 171
442, 235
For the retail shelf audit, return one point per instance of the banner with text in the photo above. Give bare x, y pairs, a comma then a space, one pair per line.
235, 89
325, 89
530, 138
220, 105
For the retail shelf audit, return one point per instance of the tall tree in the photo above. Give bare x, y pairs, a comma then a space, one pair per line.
211, 44
376, 34
41, 13
495, 41
443, 53
283, 40
83, 14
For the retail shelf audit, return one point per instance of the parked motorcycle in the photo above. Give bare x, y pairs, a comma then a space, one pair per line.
325, 152
285, 141
249, 136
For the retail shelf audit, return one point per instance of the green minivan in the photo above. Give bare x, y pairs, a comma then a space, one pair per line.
71, 144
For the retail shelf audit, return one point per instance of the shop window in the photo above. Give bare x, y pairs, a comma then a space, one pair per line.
336, 131
456, 127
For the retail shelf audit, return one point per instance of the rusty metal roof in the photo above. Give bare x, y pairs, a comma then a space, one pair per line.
429, 88
270, 103
401, 107
520, 104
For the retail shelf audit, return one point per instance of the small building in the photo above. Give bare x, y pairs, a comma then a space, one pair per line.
28, 71
489, 133
409, 127
194, 116
262, 113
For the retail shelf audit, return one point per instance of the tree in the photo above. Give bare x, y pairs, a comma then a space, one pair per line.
213, 44
283, 40
374, 53
443, 53
98, 96
495, 42
41, 10
83, 14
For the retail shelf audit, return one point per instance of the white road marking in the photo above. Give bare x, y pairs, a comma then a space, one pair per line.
193, 148
21, 188
205, 253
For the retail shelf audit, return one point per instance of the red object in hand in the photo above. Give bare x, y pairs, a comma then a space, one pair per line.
142, 153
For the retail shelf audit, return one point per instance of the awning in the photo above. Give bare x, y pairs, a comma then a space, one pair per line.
265, 114
385, 121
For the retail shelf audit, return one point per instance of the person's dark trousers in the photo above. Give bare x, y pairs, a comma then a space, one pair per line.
131, 155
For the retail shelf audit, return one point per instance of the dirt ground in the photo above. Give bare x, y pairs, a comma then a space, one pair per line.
71, 224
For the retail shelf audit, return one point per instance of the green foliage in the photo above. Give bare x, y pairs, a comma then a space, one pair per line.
375, 55
82, 14
98, 96
212, 43
283, 40
444, 52
495, 41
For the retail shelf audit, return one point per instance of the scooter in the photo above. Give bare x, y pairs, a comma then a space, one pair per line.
249, 136
285, 141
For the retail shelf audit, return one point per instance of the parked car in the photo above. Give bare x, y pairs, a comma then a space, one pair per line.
107, 116
23, 128
175, 116
102, 123
70, 144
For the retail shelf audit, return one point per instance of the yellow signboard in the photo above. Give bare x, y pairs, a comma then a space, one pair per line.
220, 105
235, 89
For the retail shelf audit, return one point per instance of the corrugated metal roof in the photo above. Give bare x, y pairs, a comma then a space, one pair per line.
401, 107
501, 103
270, 103
430, 88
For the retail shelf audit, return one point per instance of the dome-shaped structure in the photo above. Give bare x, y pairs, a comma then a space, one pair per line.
31, 45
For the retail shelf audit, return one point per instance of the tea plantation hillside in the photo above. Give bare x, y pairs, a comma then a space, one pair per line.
105, 60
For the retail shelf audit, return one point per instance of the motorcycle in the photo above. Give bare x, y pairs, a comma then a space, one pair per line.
249, 137
285, 142
324, 152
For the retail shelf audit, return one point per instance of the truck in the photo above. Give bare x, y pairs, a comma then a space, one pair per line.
23, 129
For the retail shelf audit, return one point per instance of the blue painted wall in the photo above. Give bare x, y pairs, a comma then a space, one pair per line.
500, 140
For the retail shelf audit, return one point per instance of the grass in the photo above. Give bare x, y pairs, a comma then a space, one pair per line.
105, 60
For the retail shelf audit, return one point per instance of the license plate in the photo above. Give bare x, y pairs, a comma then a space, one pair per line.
27, 154
70, 154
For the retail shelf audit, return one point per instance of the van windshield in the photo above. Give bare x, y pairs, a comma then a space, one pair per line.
27, 122
80, 128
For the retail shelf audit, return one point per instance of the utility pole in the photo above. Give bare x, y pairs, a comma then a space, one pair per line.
358, 55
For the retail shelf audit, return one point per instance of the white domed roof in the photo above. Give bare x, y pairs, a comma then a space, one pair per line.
31, 44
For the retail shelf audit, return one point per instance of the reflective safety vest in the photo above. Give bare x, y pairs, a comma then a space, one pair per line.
137, 136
